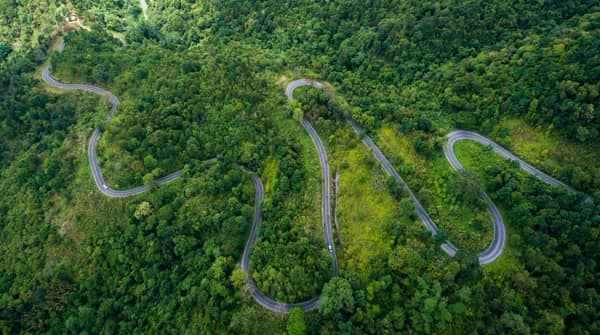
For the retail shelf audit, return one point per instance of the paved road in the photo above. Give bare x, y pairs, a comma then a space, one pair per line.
499, 232
259, 297
92, 158
263, 300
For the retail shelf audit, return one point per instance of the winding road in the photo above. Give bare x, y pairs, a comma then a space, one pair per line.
273, 305
277, 306
487, 256
499, 231
92, 158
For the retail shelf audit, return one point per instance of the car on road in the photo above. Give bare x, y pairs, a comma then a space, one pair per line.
330, 247
105, 187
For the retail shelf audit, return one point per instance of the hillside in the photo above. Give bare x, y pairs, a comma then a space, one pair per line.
310, 184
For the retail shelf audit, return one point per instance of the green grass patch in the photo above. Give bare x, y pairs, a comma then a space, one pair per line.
573, 163
369, 216
430, 180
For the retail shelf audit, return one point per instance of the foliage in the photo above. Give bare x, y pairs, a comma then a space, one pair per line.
295, 324
197, 81
336, 298
467, 187
29, 24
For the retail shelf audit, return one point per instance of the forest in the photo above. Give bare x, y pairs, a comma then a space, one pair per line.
203, 80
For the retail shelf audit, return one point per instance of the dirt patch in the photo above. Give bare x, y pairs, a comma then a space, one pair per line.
524, 135
282, 80
64, 227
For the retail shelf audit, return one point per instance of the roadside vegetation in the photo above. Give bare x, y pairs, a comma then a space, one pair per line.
199, 80
446, 196
370, 221
571, 162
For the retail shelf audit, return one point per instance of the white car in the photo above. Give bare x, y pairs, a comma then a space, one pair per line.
330, 247
104, 185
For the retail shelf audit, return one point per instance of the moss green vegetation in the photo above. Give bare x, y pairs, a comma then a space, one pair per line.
369, 218
205, 79
430, 177
570, 161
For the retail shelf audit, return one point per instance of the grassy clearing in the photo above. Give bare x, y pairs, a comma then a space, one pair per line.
475, 156
367, 212
365, 208
269, 173
550, 152
542, 147
430, 179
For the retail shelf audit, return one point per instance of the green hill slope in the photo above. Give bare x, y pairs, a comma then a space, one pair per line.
202, 80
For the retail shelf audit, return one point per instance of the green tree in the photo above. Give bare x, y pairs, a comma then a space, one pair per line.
143, 210
5, 50
467, 187
295, 323
337, 297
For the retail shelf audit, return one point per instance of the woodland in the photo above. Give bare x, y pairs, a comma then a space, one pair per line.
202, 80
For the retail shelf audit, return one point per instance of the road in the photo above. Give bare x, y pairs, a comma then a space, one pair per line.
259, 297
92, 158
487, 256
144, 6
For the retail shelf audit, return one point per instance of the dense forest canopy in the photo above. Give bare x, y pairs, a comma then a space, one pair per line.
202, 80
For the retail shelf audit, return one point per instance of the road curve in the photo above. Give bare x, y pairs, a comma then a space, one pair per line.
499, 232
259, 297
459, 135
325, 175
487, 256
92, 158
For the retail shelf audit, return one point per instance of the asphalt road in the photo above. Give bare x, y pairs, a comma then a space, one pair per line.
487, 256
92, 158
259, 297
